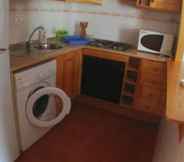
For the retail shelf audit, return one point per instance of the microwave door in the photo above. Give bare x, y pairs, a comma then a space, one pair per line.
151, 43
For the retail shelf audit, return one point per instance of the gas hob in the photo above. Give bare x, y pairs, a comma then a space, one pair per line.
106, 44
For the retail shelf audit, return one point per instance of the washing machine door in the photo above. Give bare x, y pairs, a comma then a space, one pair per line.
47, 106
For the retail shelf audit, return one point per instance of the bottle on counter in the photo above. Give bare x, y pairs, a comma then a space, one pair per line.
83, 27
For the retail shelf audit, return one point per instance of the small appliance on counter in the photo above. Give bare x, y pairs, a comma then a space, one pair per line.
76, 40
156, 42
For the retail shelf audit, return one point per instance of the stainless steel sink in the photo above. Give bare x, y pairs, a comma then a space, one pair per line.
20, 50
49, 46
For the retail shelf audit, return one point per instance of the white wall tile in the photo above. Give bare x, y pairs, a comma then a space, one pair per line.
25, 15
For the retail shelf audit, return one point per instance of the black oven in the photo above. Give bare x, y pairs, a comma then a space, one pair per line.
102, 78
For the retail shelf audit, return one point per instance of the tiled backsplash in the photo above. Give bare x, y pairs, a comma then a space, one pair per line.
26, 15
109, 21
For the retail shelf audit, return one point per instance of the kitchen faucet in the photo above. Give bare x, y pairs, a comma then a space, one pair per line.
42, 41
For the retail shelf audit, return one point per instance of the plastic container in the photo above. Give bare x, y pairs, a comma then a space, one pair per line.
76, 40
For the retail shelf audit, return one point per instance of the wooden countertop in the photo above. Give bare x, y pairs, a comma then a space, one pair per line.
175, 92
21, 59
135, 53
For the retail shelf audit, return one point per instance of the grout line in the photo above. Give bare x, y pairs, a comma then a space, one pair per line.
103, 13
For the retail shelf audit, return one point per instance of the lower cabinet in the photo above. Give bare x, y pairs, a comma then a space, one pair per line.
151, 91
69, 72
143, 81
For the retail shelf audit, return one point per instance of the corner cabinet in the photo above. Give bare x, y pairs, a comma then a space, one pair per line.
98, 2
69, 72
157, 5
166, 5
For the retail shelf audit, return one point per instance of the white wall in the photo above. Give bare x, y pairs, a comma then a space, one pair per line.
122, 22
169, 149
8, 140
109, 21
9, 150
26, 15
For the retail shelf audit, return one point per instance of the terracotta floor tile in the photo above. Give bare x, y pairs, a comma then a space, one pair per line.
94, 135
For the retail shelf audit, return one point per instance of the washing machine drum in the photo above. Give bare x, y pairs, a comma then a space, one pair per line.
47, 106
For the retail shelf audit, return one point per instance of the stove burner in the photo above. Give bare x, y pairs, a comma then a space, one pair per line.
109, 45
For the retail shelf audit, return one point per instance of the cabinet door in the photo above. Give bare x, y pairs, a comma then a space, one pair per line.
69, 72
86, 1
150, 92
167, 5
150, 99
152, 73
131, 2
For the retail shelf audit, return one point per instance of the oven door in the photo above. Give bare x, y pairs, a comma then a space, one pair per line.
102, 78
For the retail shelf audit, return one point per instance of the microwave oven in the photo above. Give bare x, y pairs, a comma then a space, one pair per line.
156, 42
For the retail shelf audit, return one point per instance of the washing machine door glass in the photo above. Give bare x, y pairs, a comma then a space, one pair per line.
47, 106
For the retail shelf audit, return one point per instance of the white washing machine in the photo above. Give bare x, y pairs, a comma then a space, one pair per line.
40, 105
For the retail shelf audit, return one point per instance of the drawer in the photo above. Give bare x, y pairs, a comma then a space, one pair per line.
152, 73
152, 67
169, 5
152, 79
150, 96
151, 100
105, 55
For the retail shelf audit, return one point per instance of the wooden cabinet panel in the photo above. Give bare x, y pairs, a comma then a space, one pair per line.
160, 5
180, 44
153, 67
86, 1
106, 55
68, 73
151, 99
151, 72
150, 92
131, 2
168, 5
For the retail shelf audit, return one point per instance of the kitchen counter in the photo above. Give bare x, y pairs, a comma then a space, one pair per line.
21, 59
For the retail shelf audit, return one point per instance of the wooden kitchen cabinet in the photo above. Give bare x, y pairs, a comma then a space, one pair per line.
158, 5
131, 2
166, 5
99, 2
151, 91
69, 73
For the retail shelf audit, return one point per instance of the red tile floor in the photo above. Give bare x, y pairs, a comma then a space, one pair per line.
95, 135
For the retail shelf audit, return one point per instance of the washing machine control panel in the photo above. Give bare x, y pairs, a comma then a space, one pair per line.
35, 74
